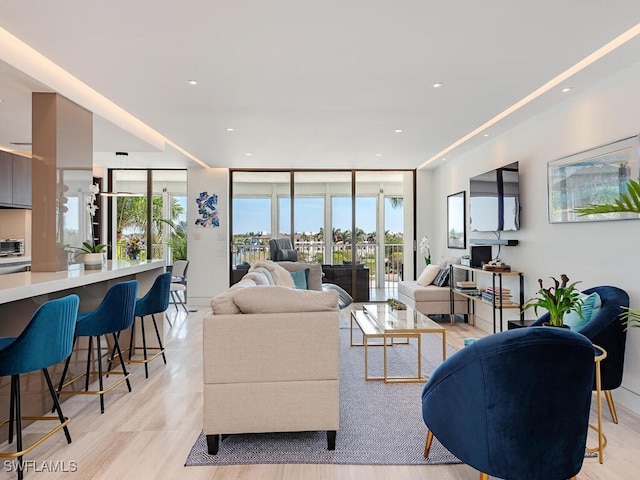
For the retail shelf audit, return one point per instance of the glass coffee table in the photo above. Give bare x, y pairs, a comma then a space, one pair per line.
381, 322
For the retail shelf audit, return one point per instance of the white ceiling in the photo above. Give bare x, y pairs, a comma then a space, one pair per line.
309, 84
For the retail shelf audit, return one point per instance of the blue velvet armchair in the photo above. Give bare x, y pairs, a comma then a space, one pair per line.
606, 330
514, 405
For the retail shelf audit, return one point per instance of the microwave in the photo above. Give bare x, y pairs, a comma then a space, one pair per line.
11, 247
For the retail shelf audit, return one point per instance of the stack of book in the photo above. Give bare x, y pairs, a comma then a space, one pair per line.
502, 296
468, 287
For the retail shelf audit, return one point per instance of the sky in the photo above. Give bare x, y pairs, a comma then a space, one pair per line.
253, 215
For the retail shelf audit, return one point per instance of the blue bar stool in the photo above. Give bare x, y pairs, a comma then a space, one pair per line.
114, 314
155, 301
47, 340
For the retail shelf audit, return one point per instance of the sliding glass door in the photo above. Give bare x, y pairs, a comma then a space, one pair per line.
365, 253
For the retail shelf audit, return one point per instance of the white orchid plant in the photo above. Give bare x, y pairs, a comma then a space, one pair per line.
425, 250
91, 208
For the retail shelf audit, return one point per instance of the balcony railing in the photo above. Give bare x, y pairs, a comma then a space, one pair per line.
121, 252
314, 252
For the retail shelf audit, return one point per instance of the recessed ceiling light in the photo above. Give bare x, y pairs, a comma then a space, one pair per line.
398, 130
229, 129
444, 159
566, 89
192, 82
378, 154
248, 154
486, 134
437, 85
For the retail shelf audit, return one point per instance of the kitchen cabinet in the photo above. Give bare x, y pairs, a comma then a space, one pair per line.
21, 181
6, 178
15, 180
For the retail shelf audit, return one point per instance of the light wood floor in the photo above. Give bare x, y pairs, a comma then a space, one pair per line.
147, 434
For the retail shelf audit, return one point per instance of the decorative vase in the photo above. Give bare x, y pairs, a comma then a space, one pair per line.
93, 261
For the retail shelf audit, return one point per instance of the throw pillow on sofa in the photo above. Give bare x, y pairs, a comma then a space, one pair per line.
428, 275
590, 307
442, 279
301, 279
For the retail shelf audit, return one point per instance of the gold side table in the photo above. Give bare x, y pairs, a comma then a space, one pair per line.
602, 439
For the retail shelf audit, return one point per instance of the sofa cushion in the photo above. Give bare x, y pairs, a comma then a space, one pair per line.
278, 299
428, 275
288, 255
223, 303
430, 293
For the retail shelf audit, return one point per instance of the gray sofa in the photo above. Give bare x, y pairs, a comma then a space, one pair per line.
271, 356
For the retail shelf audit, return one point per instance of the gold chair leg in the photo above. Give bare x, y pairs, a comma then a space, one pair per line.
484, 476
612, 407
427, 444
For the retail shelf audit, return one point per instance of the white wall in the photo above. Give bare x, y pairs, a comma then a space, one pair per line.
597, 253
208, 248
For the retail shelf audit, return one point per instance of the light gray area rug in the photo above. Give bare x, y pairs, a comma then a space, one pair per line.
380, 424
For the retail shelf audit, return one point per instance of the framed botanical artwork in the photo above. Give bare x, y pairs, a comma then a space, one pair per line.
456, 221
595, 176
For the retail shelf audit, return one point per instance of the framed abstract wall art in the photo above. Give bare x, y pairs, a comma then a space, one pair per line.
207, 210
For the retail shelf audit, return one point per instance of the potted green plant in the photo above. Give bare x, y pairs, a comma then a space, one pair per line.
559, 299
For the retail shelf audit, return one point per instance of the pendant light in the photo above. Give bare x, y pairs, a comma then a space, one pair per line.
122, 159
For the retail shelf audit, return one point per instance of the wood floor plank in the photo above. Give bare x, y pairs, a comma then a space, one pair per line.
148, 433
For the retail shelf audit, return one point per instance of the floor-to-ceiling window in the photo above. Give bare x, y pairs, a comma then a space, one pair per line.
322, 226
148, 214
258, 214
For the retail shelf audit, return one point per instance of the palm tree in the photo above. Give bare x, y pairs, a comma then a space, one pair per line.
396, 202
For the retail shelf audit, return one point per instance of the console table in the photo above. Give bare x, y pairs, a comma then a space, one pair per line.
497, 285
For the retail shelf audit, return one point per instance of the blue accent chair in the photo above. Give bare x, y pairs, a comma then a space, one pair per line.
46, 341
606, 330
514, 405
114, 314
155, 301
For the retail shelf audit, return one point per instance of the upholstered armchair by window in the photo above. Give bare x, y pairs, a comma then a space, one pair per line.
281, 250
606, 330
514, 405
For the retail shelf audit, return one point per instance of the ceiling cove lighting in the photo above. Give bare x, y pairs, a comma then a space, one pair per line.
21, 56
122, 158
551, 84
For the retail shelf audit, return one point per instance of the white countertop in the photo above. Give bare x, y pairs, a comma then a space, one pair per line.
8, 260
18, 286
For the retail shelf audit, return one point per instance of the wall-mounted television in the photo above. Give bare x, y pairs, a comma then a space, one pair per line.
494, 200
